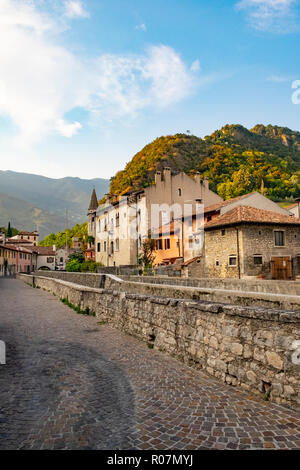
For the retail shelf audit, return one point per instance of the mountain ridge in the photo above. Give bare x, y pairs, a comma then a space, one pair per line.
235, 159
31, 200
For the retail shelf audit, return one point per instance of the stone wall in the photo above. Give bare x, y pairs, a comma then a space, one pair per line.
254, 348
163, 287
244, 285
246, 242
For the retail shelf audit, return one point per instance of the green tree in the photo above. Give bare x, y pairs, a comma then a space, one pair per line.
146, 256
9, 231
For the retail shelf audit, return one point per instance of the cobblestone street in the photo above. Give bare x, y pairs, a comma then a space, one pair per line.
73, 383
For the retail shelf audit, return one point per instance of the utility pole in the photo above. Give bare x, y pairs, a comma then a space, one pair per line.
67, 247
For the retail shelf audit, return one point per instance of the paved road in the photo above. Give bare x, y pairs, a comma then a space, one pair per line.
72, 383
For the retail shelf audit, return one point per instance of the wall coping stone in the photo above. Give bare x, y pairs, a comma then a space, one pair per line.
262, 313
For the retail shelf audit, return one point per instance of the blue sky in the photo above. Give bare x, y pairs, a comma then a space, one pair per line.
84, 85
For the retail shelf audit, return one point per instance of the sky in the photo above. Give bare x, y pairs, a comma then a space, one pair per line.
85, 84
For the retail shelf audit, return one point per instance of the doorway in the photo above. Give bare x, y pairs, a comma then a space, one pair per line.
281, 268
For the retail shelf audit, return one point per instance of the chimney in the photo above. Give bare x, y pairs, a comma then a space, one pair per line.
157, 177
206, 183
197, 177
54, 248
167, 175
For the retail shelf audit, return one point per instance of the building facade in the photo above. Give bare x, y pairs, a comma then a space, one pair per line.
30, 238
247, 242
120, 225
15, 260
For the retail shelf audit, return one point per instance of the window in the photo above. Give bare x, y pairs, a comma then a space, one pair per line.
111, 248
117, 219
167, 243
98, 247
61, 260
117, 244
232, 260
217, 263
99, 226
257, 259
179, 192
49, 259
159, 244
104, 246
208, 218
190, 243
279, 237
223, 232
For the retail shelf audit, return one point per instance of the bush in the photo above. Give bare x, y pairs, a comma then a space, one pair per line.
73, 266
89, 266
76, 256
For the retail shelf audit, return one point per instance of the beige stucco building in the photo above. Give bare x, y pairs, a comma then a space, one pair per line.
120, 225
28, 238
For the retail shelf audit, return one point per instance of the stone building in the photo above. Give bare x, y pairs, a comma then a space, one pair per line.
249, 242
122, 223
76, 245
184, 239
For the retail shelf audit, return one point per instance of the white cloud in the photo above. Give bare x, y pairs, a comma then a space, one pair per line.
278, 79
41, 81
272, 15
68, 130
141, 27
195, 66
75, 9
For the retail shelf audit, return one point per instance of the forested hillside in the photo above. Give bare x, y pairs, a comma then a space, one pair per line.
59, 239
236, 161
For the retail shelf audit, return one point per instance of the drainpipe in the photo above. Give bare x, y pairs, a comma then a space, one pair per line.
182, 232
238, 252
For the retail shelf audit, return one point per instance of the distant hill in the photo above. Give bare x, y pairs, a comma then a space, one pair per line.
29, 201
236, 160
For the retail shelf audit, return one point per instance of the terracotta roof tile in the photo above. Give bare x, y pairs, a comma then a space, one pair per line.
246, 214
42, 250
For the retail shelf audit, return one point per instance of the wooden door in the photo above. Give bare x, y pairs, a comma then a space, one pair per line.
281, 267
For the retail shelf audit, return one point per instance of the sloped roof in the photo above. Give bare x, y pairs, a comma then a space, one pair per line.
221, 204
16, 248
42, 250
191, 260
15, 241
291, 206
247, 214
93, 202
